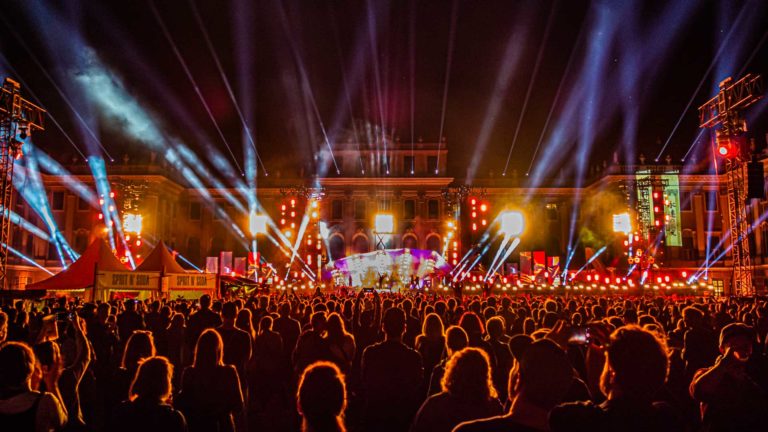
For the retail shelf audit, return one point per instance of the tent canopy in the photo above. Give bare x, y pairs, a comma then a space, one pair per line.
82, 272
161, 260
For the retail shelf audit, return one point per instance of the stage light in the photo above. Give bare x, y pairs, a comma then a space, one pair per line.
324, 232
132, 223
512, 223
622, 223
257, 223
384, 223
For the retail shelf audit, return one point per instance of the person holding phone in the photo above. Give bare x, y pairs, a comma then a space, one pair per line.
732, 392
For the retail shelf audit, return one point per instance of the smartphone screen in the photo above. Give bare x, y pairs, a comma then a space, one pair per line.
579, 336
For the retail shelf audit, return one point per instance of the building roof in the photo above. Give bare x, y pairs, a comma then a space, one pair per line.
81, 274
160, 259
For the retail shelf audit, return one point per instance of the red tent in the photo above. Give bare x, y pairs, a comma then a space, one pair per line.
82, 272
160, 260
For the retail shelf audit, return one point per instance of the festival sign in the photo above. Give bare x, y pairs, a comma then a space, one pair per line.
192, 281
128, 280
673, 232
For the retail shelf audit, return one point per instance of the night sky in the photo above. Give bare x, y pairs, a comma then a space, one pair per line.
299, 68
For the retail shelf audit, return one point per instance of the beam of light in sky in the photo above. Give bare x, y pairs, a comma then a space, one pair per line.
306, 86
25, 224
193, 82
27, 259
531, 82
448, 61
555, 102
212, 50
724, 44
37, 101
82, 123
506, 256
357, 72
511, 59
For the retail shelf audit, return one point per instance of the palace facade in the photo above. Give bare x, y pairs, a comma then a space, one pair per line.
431, 210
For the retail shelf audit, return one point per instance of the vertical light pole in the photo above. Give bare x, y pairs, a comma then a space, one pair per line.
257, 224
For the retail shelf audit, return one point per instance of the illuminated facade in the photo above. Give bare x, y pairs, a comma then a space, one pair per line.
430, 210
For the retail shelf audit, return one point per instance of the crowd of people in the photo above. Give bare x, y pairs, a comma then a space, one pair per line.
386, 362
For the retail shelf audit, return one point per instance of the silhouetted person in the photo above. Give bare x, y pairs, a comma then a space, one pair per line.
431, 344
312, 345
321, 399
633, 372
129, 321
266, 371
455, 340
210, 390
391, 376
341, 345
237, 342
536, 385
201, 320
699, 343
148, 410
732, 393
21, 407
502, 353
467, 394
289, 330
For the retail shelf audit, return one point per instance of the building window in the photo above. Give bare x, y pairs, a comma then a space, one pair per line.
82, 204
53, 253
718, 287
195, 211
359, 209
432, 164
57, 202
337, 247
360, 244
711, 201
337, 207
384, 166
409, 209
686, 201
551, 212
408, 165
433, 243
433, 209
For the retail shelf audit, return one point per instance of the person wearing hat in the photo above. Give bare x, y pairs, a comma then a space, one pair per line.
538, 383
732, 393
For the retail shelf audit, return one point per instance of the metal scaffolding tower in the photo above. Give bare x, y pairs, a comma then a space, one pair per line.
723, 110
18, 118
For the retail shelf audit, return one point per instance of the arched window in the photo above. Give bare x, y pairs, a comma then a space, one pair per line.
433, 242
410, 241
360, 244
337, 247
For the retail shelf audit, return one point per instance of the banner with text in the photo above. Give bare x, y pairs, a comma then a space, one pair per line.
192, 281
128, 280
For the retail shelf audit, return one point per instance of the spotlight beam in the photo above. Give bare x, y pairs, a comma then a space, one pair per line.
193, 82
448, 61
224, 79
531, 82
58, 89
712, 64
558, 93
29, 90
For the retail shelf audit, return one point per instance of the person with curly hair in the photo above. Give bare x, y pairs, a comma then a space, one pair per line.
468, 394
